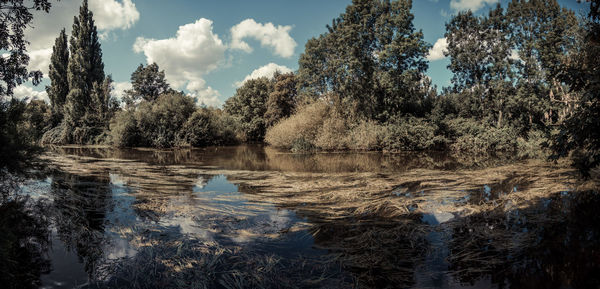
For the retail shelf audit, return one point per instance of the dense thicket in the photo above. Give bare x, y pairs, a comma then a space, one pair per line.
505, 96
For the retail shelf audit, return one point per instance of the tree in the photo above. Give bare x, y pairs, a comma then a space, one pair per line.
148, 83
282, 100
580, 134
248, 104
371, 59
59, 88
479, 51
15, 16
85, 68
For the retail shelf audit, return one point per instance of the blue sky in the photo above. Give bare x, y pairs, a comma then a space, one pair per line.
222, 42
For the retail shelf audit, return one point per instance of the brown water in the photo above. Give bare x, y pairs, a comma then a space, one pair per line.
249, 216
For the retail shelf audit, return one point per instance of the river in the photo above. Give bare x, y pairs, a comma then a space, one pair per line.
256, 217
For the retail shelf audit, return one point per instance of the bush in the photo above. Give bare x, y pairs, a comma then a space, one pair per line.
480, 137
209, 127
301, 127
124, 130
410, 134
366, 135
159, 122
173, 120
333, 134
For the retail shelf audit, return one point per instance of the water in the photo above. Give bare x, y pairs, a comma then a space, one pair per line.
247, 217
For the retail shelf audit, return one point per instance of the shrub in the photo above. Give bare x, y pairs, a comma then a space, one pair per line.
301, 127
124, 130
480, 137
332, 135
159, 122
410, 134
366, 135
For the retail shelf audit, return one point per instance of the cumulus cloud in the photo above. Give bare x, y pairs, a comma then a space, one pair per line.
112, 15
269, 35
26, 92
119, 89
187, 57
264, 71
40, 60
108, 14
438, 49
473, 5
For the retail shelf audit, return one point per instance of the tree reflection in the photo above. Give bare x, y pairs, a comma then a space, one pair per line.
551, 244
80, 206
24, 241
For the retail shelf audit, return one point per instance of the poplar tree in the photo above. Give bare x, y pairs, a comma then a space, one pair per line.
85, 68
59, 84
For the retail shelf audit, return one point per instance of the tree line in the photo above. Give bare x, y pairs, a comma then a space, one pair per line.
524, 83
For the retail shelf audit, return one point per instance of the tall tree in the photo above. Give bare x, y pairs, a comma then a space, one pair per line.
372, 59
147, 83
59, 83
85, 68
282, 100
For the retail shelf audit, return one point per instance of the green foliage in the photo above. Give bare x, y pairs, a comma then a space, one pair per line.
249, 105
124, 130
159, 122
282, 100
147, 83
36, 118
410, 134
580, 134
208, 127
173, 120
85, 73
371, 58
16, 148
59, 61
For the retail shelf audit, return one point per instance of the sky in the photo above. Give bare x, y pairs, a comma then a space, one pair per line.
209, 48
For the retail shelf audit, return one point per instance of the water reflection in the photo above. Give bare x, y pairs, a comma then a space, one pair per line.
247, 218
260, 158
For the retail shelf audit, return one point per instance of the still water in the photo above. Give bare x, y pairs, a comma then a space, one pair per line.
254, 217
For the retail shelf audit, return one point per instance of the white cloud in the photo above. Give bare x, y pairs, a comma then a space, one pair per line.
473, 5
119, 89
40, 60
277, 38
438, 49
112, 15
186, 58
264, 71
207, 96
26, 92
